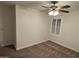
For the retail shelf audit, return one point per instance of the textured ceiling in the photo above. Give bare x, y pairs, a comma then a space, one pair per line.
37, 4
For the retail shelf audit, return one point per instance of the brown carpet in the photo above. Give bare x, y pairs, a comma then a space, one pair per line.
46, 49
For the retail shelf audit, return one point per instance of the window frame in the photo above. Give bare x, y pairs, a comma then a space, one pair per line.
55, 26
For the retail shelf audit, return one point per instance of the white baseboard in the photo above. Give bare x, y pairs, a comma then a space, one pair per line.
64, 45
2, 45
30, 45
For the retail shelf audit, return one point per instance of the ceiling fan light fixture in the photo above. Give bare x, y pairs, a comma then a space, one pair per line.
50, 13
54, 13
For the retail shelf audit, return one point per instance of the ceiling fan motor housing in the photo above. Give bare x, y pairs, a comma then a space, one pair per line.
54, 2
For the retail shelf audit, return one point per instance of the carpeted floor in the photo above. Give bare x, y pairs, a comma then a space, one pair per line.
46, 49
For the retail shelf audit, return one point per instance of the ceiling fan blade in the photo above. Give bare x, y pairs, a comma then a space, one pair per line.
45, 6
66, 6
64, 11
43, 10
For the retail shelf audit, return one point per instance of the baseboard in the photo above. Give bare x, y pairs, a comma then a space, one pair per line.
30, 45
64, 45
2, 45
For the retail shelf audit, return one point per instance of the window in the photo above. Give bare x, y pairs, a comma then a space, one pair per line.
53, 25
56, 26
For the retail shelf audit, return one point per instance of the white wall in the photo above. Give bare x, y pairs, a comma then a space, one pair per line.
69, 35
1, 32
7, 18
32, 27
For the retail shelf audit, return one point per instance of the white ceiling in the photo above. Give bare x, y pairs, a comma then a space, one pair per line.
37, 4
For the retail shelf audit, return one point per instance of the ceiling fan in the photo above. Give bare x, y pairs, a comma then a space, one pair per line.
53, 8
